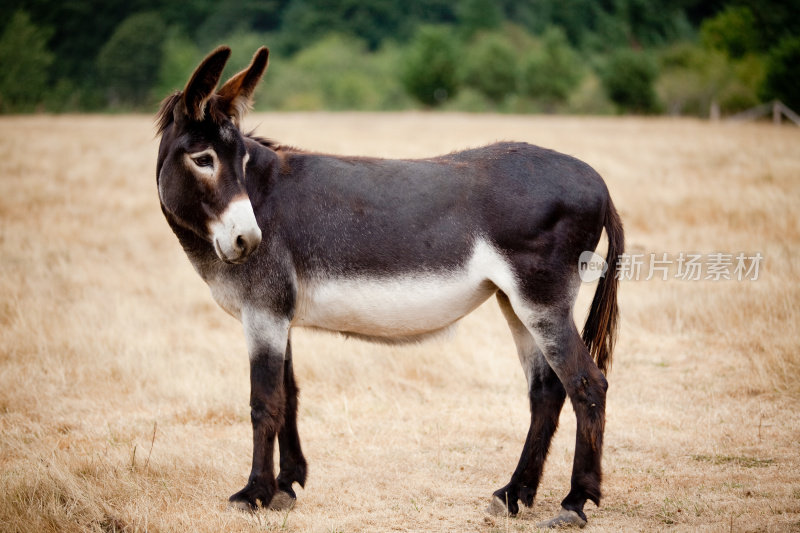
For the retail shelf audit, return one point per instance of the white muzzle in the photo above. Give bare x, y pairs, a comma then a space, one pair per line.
236, 233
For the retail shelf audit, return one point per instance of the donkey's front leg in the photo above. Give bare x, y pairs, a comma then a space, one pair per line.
293, 464
267, 336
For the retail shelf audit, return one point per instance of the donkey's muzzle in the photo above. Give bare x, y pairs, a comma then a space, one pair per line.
239, 247
245, 243
236, 234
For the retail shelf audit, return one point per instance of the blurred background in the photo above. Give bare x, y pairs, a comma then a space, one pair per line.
677, 57
124, 388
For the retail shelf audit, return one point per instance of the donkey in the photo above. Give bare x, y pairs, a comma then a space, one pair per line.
390, 251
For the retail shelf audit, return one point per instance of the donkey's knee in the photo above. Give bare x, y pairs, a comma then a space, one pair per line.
267, 414
587, 388
583, 381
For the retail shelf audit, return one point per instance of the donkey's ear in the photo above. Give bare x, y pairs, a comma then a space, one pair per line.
237, 94
203, 82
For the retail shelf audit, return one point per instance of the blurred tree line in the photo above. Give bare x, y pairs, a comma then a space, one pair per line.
571, 56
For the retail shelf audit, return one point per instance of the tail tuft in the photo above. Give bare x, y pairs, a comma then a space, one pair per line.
600, 330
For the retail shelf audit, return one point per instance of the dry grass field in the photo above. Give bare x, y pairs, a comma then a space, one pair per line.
124, 388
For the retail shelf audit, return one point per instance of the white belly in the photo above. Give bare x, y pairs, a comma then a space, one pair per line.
404, 306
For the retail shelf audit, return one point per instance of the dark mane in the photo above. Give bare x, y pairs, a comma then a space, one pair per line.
165, 115
165, 112
263, 141
272, 144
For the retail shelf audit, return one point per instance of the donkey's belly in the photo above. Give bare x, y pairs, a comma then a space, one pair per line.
391, 308
406, 306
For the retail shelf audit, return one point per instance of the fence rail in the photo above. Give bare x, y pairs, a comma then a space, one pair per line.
776, 107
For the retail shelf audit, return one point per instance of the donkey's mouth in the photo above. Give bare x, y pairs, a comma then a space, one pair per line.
238, 260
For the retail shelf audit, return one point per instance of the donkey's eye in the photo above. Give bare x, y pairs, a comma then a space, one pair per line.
203, 161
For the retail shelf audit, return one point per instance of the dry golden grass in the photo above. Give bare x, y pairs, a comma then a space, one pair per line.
124, 389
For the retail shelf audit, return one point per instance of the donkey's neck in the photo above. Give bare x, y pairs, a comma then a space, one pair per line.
200, 252
263, 169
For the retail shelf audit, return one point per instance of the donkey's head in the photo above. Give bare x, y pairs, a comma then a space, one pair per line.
202, 157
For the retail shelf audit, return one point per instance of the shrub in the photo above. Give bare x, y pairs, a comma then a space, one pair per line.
552, 70
491, 67
694, 76
782, 80
478, 15
25, 59
628, 79
589, 98
430, 70
336, 72
732, 31
691, 77
179, 58
130, 60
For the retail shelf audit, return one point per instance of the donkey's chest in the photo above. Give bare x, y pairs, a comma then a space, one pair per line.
398, 308
227, 294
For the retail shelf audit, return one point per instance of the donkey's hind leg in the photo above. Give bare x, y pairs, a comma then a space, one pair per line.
292, 461
555, 333
546, 395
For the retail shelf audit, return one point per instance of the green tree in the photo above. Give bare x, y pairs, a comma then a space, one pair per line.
492, 67
691, 77
179, 59
552, 70
732, 31
130, 61
236, 15
783, 77
337, 67
430, 69
576, 17
25, 59
306, 21
628, 79
652, 23
774, 20
336, 72
478, 15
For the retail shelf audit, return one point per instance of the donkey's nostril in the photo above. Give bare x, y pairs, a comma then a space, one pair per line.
244, 244
241, 243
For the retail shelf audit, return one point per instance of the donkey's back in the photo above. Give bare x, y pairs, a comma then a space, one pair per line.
369, 216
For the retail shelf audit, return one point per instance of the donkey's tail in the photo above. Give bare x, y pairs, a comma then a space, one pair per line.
600, 330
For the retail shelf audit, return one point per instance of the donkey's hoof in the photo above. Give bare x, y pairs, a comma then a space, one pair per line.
497, 507
240, 505
565, 518
282, 501
251, 498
